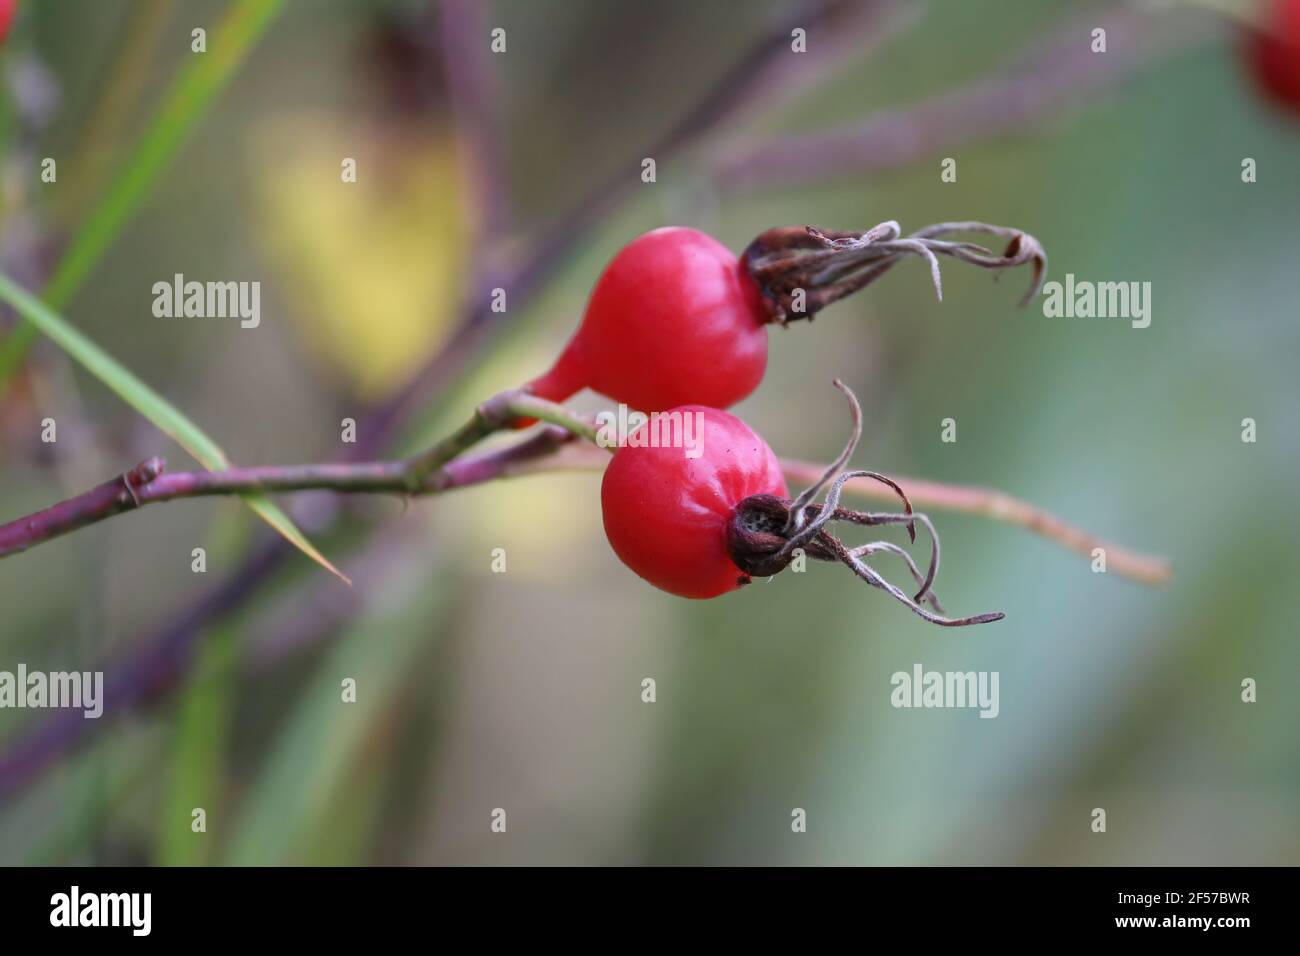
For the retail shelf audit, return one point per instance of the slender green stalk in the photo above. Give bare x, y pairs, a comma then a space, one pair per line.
186, 104
496, 414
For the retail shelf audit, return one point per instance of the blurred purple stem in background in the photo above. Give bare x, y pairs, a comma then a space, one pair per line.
1059, 70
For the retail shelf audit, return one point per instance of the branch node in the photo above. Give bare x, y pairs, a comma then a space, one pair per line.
141, 475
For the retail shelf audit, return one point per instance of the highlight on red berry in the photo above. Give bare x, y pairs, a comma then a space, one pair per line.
1273, 54
677, 318
696, 504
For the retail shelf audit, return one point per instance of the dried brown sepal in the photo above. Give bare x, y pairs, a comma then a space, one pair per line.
766, 533
801, 269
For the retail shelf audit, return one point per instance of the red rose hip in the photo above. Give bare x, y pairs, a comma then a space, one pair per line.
674, 319
696, 504
667, 514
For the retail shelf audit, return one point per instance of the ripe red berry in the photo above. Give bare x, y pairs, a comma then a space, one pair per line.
667, 514
7, 10
674, 319
1274, 54
695, 503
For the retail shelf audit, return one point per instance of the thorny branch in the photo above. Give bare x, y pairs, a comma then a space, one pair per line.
147, 483
446, 466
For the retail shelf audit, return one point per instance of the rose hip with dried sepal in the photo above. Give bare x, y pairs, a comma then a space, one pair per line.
702, 524
676, 318
666, 512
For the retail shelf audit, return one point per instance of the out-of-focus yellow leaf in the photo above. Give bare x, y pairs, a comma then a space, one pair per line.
549, 525
372, 270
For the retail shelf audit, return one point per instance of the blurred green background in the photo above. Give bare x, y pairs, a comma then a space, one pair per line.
522, 690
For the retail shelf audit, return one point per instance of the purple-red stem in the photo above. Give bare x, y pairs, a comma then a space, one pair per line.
426, 473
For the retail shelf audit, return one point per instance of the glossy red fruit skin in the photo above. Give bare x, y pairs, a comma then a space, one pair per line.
1274, 54
666, 514
7, 10
674, 318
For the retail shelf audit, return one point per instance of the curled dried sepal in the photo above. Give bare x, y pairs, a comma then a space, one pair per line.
766, 532
801, 270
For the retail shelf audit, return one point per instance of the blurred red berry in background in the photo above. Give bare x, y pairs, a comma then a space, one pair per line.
1274, 53
7, 10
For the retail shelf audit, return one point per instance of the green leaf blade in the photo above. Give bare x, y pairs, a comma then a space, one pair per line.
188, 100
166, 416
